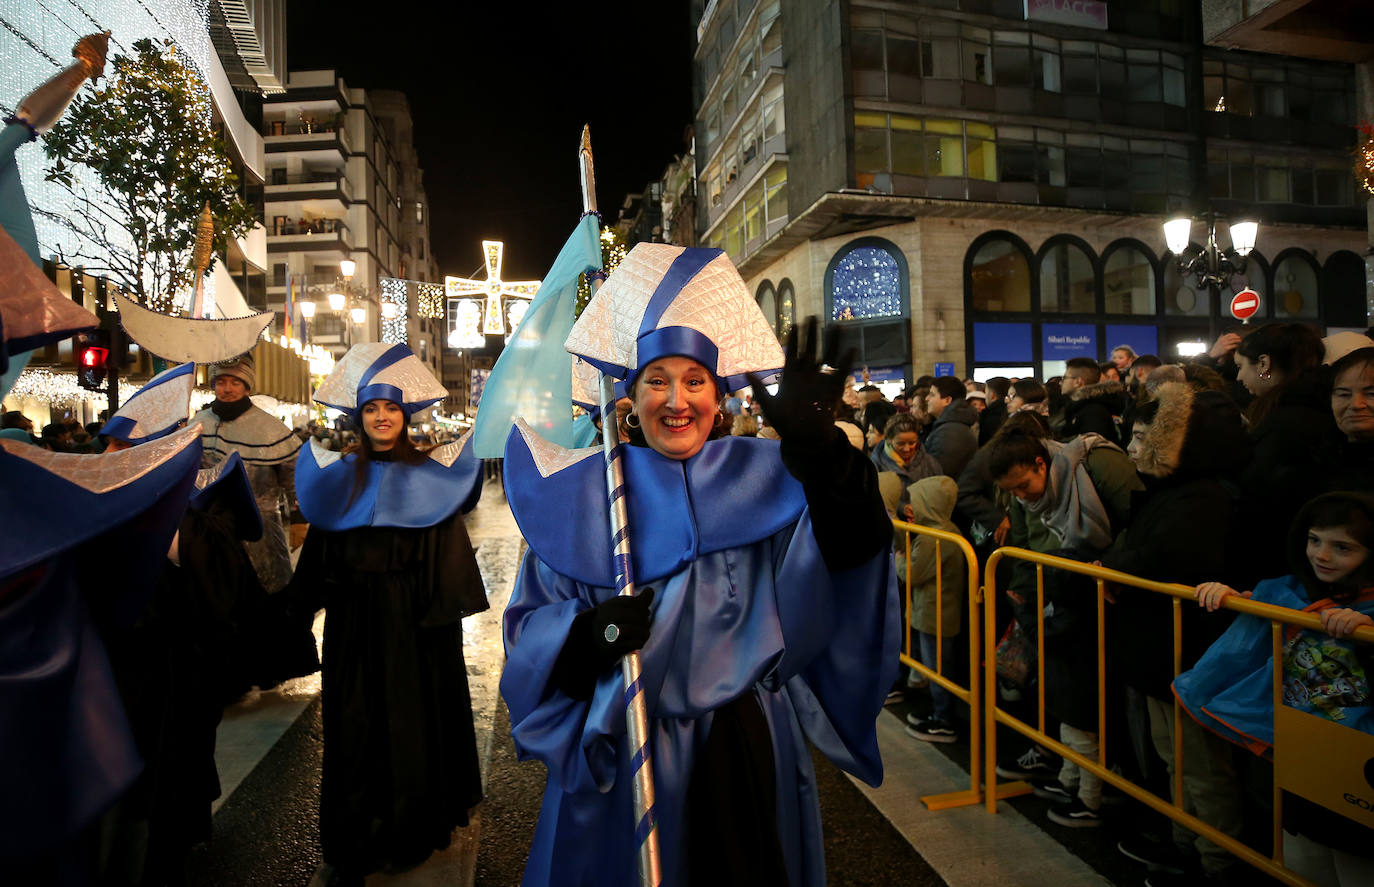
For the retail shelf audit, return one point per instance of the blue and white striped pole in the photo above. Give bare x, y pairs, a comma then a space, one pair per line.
636, 716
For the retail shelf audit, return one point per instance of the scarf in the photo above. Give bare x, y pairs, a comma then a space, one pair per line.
1070, 508
227, 411
892, 454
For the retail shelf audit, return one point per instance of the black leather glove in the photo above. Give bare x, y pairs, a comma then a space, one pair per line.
598, 637
803, 410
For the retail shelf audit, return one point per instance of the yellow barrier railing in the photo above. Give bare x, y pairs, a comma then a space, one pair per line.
972, 694
1279, 617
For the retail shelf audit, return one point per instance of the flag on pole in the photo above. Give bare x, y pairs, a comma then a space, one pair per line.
289, 309
532, 378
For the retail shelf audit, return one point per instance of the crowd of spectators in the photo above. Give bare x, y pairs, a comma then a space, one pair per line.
1188, 473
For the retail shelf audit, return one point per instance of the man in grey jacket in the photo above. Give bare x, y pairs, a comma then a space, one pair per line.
953, 439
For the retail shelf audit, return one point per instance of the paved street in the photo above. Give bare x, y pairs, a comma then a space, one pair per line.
269, 759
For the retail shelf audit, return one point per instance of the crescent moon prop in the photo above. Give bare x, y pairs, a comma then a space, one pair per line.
191, 339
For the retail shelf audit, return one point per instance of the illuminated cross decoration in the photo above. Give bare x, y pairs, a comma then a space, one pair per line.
494, 288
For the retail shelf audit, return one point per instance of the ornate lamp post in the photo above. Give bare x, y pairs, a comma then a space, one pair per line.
1212, 266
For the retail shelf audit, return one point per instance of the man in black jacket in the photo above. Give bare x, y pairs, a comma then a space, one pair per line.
1093, 404
995, 414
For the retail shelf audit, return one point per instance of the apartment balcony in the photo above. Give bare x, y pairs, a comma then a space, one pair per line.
286, 235
310, 140
283, 188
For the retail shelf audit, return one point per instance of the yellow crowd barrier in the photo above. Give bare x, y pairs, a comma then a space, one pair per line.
1324, 780
972, 694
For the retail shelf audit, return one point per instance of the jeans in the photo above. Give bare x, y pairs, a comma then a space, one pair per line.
941, 700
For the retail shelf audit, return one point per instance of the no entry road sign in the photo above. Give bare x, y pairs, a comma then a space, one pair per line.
1244, 305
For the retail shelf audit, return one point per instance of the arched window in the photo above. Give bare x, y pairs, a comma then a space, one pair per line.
768, 302
1343, 290
1184, 298
1295, 285
1128, 278
997, 273
787, 307
867, 279
1068, 282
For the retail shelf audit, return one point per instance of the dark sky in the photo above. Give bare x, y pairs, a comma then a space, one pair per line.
500, 91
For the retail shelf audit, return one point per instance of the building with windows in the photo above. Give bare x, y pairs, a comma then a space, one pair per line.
983, 182
343, 183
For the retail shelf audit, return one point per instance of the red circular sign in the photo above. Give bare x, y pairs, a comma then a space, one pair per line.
1245, 304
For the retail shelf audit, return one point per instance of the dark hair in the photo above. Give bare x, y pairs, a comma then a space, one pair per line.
404, 450
1146, 360
1293, 349
1027, 422
1360, 357
1146, 412
1016, 448
999, 385
950, 387
1085, 368
11, 419
899, 423
925, 381
1030, 390
1352, 511
871, 388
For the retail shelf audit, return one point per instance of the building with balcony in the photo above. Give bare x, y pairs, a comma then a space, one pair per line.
983, 182
343, 183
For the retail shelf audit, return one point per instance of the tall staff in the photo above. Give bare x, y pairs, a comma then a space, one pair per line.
636, 717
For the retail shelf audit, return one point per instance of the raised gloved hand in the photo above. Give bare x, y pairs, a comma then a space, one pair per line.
803, 410
598, 637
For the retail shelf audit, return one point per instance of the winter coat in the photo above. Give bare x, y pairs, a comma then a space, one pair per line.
1282, 474
953, 439
921, 465
990, 420
1178, 532
932, 500
978, 497
1094, 408
1347, 465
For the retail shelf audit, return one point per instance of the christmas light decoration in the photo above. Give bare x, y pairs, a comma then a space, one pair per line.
492, 287
429, 300
612, 251
465, 324
1364, 157
394, 294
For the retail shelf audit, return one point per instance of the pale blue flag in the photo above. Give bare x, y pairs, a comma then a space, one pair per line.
532, 378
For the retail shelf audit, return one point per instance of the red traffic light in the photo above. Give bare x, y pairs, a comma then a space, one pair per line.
93, 356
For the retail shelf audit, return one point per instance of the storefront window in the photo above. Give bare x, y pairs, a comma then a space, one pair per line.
1000, 277
1067, 283
1128, 281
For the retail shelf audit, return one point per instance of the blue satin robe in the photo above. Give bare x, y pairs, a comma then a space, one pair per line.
817, 649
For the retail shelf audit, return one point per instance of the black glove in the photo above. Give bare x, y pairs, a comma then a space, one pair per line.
598, 638
803, 410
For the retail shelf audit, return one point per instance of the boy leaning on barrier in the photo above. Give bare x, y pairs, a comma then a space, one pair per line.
1068, 499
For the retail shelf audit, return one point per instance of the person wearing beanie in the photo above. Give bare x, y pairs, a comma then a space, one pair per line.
233, 424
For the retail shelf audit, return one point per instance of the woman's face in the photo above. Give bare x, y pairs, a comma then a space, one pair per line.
1255, 374
905, 444
1015, 402
1333, 553
383, 422
1352, 402
675, 398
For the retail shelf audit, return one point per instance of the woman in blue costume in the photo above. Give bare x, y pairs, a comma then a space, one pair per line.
388, 557
773, 618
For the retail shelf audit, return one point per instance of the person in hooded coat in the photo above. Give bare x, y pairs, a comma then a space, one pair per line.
388, 558
953, 438
774, 619
1188, 446
1093, 403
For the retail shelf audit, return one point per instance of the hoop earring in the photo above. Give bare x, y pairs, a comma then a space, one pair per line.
1265, 375
632, 420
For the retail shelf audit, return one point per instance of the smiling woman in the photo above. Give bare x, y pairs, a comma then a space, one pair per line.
675, 402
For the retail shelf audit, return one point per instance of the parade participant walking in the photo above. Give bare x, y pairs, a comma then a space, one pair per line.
388, 558
773, 617
233, 424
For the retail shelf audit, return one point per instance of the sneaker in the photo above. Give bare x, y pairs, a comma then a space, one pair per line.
895, 697
1035, 763
1156, 853
1075, 814
1053, 790
930, 729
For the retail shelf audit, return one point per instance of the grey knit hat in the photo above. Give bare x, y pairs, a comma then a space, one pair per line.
241, 368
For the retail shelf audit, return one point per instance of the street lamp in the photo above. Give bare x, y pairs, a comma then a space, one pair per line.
347, 267
1212, 266
308, 309
358, 313
337, 301
390, 310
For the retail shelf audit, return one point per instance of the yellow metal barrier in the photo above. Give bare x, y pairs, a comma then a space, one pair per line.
972, 694
1279, 617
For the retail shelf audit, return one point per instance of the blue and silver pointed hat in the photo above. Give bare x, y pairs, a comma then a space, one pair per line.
156, 409
665, 300
380, 371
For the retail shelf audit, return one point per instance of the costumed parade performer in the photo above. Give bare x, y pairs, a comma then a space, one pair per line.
187, 654
388, 558
768, 616
234, 424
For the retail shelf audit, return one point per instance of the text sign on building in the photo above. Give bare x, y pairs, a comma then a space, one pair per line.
1083, 13
1063, 341
944, 369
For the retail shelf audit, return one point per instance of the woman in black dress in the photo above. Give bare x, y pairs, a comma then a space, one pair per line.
389, 558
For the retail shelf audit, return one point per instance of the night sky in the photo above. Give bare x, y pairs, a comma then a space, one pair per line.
499, 93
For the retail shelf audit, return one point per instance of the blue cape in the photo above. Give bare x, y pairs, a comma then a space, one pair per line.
394, 494
745, 605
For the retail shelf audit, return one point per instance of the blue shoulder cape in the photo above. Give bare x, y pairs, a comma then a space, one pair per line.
88, 535
734, 492
227, 482
394, 494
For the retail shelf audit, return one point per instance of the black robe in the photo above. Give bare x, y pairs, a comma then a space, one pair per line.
400, 752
